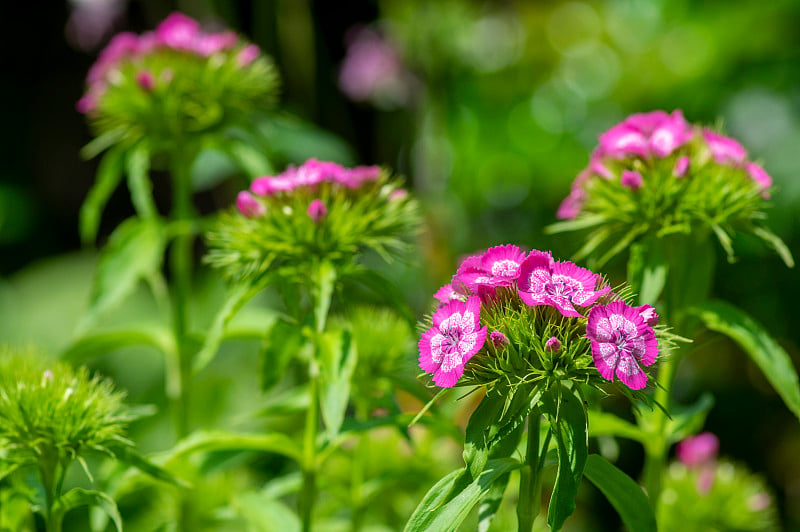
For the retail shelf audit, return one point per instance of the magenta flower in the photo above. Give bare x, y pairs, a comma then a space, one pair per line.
86, 104
355, 177
570, 208
212, 43
631, 179
178, 32
397, 194
552, 345
698, 450
621, 341
317, 210
644, 134
372, 70
760, 176
498, 266
559, 284
498, 339
455, 337
249, 206
681, 166
448, 293
724, 149
247, 55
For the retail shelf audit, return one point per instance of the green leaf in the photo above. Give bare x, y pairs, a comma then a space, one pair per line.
582, 222
775, 242
135, 250
337, 359
217, 440
770, 357
605, 424
491, 502
432, 501
568, 423
235, 300
129, 456
282, 343
263, 513
387, 291
688, 420
100, 343
102, 142
627, 497
647, 270
478, 433
248, 159
77, 497
325, 279
138, 168
432, 516
109, 175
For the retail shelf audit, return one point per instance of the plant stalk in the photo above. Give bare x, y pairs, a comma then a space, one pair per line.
530, 485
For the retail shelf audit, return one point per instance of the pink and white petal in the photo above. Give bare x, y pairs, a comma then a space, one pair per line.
534, 270
564, 306
473, 307
646, 122
480, 339
598, 327
606, 358
470, 264
629, 372
533, 299
447, 310
448, 379
587, 278
426, 362
650, 349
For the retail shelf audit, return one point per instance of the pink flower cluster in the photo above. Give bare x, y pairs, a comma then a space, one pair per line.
656, 135
621, 337
176, 32
308, 175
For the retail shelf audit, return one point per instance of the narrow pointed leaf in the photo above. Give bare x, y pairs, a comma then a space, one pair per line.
625, 495
217, 440
751, 336
109, 175
282, 343
605, 424
77, 497
141, 189
775, 242
432, 501
338, 358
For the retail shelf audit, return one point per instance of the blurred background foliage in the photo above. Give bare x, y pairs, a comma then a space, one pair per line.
491, 109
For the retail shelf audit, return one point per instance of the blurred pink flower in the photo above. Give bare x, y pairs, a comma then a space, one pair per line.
698, 450
247, 55
724, 150
249, 206
178, 32
681, 166
760, 176
631, 179
317, 210
145, 80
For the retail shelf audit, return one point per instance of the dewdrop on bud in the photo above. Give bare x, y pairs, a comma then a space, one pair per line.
498, 339
317, 210
249, 206
552, 345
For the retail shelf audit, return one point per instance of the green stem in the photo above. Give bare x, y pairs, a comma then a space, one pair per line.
358, 473
530, 485
308, 493
657, 446
181, 269
52, 472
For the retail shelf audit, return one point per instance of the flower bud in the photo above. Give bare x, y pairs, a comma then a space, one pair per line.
631, 179
249, 206
698, 450
145, 80
552, 345
317, 210
681, 166
498, 339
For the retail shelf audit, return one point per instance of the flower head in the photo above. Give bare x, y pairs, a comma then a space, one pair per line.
622, 342
278, 226
455, 337
540, 315
655, 175
562, 285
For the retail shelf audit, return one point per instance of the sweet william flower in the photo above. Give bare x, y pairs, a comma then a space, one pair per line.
178, 31
559, 284
621, 342
455, 337
724, 150
498, 266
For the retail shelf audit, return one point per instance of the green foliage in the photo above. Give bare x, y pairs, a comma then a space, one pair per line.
771, 358
52, 412
723, 496
625, 495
